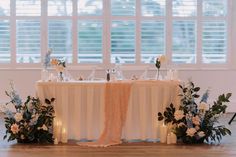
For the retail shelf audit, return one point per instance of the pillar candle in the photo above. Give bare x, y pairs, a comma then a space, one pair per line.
173, 138
169, 138
64, 136
163, 133
55, 141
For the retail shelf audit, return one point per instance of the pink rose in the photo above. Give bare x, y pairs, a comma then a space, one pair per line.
15, 128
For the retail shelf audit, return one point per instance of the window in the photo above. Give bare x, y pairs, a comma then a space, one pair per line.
214, 40
5, 8
28, 8
123, 7
214, 32
153, 40
153, 7
133, 32
88, 7
4, 41
184, 7
59, 7
60, 40
184, 41
90, 41
28, 41
214, 7
123, 42
5, 56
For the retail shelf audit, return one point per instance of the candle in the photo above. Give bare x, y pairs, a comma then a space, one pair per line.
64, 136
169, 138
173, 138
55, 141
163, 133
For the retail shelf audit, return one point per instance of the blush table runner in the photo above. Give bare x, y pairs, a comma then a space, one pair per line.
117, 96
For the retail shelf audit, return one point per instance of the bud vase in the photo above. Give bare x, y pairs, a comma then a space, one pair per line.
44, 75
157, 74
61, 76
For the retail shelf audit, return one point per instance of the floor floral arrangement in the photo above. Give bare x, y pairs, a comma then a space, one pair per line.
194, 122
32, 120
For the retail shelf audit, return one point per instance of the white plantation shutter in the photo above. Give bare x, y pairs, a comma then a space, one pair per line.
117, 31
28, 41
123, 7
4, 7
123, 42
90, 41
28, 7
214, 7
184, 42
153, 40
59, 7
214, 42
153, 7
4, 41
60, 39
90, 7
184, 7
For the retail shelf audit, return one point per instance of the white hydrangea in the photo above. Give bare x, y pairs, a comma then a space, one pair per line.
179, 114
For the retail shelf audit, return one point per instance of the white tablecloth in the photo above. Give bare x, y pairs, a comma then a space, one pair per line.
80, 107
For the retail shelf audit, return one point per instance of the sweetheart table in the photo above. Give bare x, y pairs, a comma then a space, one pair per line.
82, 108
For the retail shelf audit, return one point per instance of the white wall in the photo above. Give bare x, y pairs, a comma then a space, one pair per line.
220, 81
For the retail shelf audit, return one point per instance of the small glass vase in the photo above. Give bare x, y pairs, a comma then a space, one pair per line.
44, 75
60, 76
158, 74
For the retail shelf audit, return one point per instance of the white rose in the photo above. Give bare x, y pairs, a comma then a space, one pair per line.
179, 114
18, 117
203, 106
15, 128
191, 131
196, 120
201, 134
44, 127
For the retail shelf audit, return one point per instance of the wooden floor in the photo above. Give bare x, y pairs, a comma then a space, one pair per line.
227, 148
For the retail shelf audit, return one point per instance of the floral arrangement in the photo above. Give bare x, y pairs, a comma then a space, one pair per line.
60, 66
159, 61
196, 123
47, 59
31, 122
